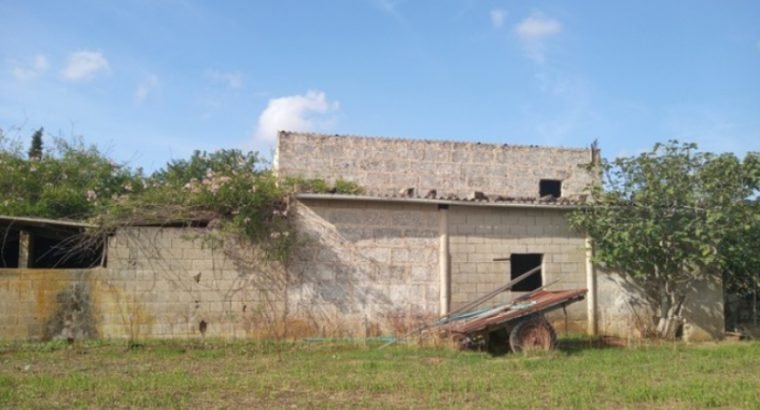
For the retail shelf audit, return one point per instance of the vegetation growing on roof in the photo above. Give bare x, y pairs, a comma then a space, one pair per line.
68, 180
319, 186
231, 190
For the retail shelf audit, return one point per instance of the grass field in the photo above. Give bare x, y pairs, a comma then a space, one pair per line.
217, 374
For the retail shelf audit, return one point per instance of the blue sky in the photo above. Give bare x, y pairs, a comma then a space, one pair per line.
148, 81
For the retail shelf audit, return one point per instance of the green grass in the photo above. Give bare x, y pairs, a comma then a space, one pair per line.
246, 374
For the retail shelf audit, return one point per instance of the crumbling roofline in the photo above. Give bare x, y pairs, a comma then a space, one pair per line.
461, 202
431, 141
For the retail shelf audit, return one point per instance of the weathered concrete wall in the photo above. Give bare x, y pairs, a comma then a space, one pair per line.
366, 267
625, 311
385, 166
47, 304
480, 235
168, 282
363, 269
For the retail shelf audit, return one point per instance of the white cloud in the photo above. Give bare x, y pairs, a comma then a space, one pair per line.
145, 88
533, 32
83, 65
231, 79
26, 72
497, 17
537, 27
308, 112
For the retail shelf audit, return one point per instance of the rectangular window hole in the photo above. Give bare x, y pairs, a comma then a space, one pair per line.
550, 187
61, 251
520, 263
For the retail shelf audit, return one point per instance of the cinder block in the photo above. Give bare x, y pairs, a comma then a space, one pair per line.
196, 254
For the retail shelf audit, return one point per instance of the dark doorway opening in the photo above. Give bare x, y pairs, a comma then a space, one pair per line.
550, 187
520, 263
9, 251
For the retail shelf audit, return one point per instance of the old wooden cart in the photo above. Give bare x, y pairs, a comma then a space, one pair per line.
519, 324
521, 321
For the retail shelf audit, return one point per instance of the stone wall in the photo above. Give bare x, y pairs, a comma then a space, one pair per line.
625, 311
362, 269
366, 267
359, 270
480, 235
168, 282
47, 304
385, 166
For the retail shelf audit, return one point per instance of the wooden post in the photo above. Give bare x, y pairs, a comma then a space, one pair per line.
24, 249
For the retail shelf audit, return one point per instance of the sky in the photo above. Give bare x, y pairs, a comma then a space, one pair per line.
152, 80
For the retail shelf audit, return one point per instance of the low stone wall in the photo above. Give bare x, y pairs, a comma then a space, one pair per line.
624, 310
43, 304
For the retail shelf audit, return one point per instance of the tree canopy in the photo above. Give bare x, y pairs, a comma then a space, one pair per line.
71, 181
673, 215
234, 190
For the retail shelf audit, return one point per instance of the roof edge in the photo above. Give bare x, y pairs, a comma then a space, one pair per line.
431, 140
460, 202
44, 221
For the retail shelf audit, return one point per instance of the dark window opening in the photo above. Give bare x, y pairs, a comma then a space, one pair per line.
550, 187
62, 253
10, 248
520, 263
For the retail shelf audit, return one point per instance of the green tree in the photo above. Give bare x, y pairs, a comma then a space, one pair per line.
672, 216
73, 181
35, 150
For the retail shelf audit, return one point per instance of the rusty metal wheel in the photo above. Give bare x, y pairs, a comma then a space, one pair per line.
532, 334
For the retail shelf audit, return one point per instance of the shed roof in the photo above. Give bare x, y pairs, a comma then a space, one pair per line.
23, 221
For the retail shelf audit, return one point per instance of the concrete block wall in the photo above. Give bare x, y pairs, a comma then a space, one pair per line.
163, 282
385, 166
480, 235
363, 270
34, 304
365, 265
626, 311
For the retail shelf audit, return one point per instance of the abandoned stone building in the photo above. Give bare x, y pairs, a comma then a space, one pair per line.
437, 224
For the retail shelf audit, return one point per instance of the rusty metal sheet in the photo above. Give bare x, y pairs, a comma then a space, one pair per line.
541, 302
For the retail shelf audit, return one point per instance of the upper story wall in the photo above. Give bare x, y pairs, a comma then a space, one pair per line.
386, 166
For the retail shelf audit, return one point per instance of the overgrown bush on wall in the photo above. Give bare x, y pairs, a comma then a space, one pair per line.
68, 180
234, 191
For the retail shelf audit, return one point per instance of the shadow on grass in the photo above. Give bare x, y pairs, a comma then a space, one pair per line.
498, 344
572, 346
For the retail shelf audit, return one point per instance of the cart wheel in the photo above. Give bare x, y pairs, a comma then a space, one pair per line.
532, 334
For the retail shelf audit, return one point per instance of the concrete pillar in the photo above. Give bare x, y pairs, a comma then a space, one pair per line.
24, 249
444, 273
591, 285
